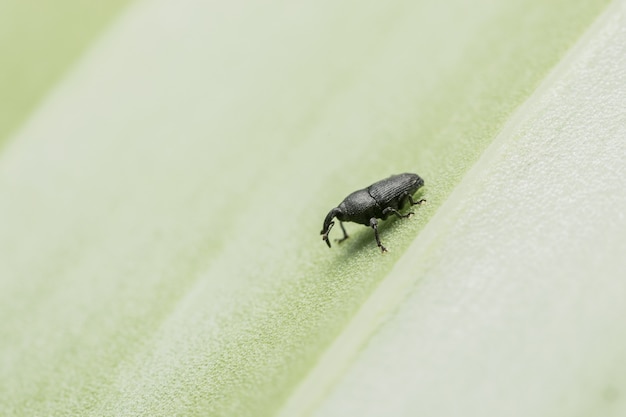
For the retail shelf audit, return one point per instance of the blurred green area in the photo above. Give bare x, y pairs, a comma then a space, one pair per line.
40, 40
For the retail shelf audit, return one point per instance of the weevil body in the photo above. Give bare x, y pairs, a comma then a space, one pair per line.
378, 201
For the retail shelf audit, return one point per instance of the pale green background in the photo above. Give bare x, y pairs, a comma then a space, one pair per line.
161, 205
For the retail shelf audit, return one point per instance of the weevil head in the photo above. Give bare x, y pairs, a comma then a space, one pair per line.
413, 182
416, 180
328, 224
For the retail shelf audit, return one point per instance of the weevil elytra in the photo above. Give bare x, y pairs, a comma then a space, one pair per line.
378, 201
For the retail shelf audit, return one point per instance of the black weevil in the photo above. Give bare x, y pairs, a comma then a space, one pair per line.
378, 201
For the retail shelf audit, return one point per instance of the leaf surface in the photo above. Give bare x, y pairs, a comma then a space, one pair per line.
160, 250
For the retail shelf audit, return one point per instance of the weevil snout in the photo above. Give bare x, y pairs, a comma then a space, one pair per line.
326, 231
328, 224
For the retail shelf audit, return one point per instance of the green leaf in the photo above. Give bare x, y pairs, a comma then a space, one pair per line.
160, 250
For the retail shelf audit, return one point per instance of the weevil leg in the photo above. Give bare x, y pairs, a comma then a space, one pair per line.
345, 234
408, 197
374, 225
396, 212
413, 202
